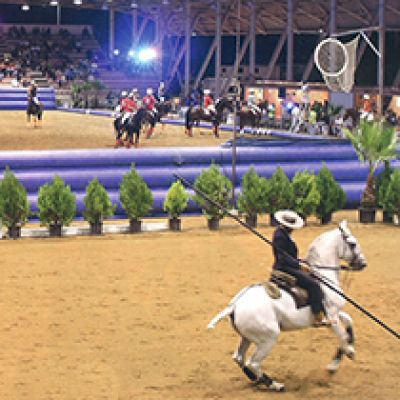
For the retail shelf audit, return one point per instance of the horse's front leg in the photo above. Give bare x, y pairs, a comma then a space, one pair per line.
343, 327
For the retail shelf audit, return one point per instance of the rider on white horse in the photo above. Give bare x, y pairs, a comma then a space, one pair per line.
252, 102
286, 253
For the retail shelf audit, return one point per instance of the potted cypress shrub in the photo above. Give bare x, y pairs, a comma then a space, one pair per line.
391, 199
253, 197
280, 194
175, 203
381, 184
14, 204
136, 199
57, 205
332, 196
97, 206
374, 143
306, 194
219, 188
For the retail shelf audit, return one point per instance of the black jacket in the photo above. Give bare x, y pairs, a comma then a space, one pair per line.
284, 242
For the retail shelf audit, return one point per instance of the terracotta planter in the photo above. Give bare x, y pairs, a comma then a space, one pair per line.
251, 220
387, 217
96, 228
326, 219
135, 225
174, 224
14, 232
213, 223
366, 215
55, 230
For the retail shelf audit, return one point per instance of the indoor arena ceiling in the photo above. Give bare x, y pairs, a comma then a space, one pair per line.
310, 15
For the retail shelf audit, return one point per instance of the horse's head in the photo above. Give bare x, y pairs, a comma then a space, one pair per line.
351, 249
223, 103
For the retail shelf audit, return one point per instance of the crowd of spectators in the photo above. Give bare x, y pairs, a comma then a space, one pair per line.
51, 55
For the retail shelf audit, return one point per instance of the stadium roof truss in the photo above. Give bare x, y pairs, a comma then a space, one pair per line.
175, 19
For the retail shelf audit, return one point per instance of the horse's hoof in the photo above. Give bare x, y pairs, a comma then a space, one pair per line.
350, 352
276, 386
333, 366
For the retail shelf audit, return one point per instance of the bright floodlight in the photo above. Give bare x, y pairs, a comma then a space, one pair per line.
131, 53
77, 2
116, 52
54, 3
147, 54
25, 7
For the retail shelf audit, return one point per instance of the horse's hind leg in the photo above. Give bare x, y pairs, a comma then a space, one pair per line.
253, 366
346, 339
240, 353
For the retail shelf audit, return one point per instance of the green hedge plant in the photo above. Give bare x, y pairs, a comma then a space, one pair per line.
98, 206
14, 204
253, 197
216, 186
175, 204
280, 193
382, 181
57, 205
374, 142
306, 194
332, 196
391, 200
136, 198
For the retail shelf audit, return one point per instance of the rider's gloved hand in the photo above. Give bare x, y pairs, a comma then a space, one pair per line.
305, 267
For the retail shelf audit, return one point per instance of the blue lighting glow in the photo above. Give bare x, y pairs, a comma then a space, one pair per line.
146, 55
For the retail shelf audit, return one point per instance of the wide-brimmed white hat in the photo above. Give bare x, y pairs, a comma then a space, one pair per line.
289, 219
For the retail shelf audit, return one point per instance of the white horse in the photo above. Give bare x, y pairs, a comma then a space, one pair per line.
259, 319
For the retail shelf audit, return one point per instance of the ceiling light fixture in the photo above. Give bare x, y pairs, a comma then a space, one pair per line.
25, 7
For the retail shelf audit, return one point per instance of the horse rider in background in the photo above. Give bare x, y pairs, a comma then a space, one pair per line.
252, 102
367, 109
208, 103
286, 260
128, 106
32, 94
161, 93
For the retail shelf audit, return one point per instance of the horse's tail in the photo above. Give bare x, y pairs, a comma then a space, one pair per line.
227, 311
224, 313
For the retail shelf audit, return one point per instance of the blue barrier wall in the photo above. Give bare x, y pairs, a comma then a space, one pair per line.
157, 166
16, 98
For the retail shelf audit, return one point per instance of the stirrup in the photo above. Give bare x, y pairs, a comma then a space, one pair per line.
324, 322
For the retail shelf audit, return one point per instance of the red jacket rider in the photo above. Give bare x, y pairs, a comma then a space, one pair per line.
149, 100
128, 105
207, 99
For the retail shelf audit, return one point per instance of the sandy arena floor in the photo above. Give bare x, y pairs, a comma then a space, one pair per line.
61, 130
123, 317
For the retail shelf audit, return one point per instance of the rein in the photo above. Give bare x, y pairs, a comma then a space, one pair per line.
266, 240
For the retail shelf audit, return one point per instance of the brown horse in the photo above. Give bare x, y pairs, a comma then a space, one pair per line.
196, 114
251, 117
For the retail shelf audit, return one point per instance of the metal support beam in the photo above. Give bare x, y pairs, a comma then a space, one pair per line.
252, 48
332, 17
218, 50
310, 63
238, 60
276, 54
290, 41
381, 59
188, 36
134, 26
111, 33
141, 31
58, 14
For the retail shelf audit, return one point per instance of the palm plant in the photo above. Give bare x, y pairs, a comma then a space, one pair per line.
374, 143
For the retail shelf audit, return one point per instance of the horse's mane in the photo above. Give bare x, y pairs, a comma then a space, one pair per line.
313, 252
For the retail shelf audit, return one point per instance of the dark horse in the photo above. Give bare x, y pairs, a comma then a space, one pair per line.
153, 117
196, 114
35, 110
252, 118
132, 125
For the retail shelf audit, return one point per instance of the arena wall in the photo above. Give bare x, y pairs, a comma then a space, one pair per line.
16, 98
157, 166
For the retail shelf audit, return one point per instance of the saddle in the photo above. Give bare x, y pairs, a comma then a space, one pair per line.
287, 283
